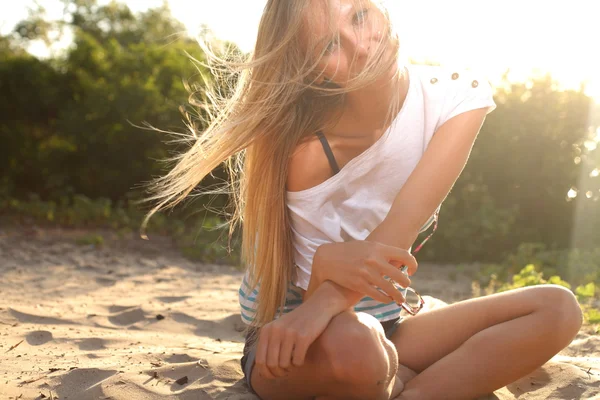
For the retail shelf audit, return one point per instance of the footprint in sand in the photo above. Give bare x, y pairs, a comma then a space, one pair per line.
91, 344
201, 325
116, 309
179, 359
37, 319
38, 338
235, 322
105, 281
128, 317
172, 299
194, 371
557, 381
228, 328
583, 344
89, 268
83, 383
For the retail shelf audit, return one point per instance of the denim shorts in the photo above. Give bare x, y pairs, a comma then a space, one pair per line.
249, 356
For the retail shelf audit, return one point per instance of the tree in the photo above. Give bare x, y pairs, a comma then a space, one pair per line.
122, 70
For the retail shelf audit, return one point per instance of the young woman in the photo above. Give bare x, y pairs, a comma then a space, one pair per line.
339, 155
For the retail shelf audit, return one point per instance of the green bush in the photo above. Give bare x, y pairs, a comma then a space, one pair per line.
202, 237
93, 239
472, 227
529, 276
587, 294
586, 291
592, 316
207, 240
578, 266
68, 133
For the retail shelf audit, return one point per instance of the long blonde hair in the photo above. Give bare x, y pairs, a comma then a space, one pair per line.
276, 100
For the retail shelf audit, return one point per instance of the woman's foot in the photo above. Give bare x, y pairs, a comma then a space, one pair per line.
403, 375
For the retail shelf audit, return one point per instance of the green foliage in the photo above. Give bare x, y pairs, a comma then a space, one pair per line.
592, 316
68, 136
92, 239
208, 241
531, 151
67, 124
202, 236
472, 226
532, 274
586, 291
578, 266
529, 276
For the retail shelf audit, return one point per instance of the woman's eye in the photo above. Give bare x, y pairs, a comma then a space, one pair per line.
332, 46
361, 16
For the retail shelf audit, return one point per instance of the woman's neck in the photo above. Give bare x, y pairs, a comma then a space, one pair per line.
365, 110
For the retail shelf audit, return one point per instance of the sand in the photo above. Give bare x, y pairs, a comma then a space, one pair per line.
134, 320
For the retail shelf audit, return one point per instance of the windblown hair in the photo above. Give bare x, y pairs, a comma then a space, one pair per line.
277, 100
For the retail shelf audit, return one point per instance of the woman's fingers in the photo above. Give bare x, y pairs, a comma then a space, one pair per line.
391, 290
375, 294
267, 352
300, 349
287, 346
274, 351
400, 256
262, 352
396, 274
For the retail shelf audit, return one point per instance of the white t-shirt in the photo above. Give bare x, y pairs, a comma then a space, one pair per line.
353, 202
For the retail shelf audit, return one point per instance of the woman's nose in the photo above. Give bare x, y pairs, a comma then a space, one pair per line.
357, 43
362, 47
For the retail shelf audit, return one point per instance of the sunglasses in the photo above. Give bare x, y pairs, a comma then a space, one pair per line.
413, 301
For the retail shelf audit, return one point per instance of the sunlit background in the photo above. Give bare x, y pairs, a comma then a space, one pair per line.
530, 192
89, 90
527, 37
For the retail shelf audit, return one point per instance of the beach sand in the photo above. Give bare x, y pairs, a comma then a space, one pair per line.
135, 320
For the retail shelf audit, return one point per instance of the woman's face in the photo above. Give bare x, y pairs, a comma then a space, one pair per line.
359, 27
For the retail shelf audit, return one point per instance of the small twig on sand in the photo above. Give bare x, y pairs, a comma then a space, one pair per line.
14, 346
33, 380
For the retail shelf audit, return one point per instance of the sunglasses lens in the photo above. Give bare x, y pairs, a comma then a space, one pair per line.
412, 300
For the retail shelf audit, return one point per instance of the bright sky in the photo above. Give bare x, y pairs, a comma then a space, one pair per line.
530, 36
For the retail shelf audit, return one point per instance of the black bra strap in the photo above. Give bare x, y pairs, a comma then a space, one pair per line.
328, 153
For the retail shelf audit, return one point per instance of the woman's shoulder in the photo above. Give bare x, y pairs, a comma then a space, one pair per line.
440, 79
449, 91
447, 85
308, 167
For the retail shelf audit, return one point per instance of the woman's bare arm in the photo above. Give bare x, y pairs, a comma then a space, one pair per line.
424, 191
421, 195
431, 181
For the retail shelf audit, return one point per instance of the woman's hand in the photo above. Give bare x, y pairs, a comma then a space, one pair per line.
283, 343
360, 266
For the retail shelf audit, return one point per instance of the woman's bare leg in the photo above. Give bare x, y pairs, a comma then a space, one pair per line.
352, 359
474, 347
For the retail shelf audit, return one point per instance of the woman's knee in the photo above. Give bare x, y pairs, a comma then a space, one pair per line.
358, 352
562, 307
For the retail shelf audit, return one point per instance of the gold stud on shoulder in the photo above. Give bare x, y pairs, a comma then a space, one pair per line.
433, 80
455, 76
475, 84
